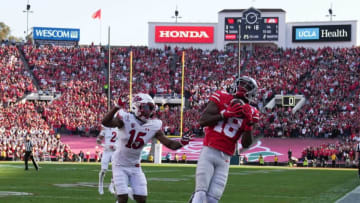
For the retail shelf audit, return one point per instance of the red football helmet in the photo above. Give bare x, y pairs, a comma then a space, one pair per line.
244, 87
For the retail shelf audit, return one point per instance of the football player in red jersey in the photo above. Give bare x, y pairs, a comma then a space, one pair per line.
227, 117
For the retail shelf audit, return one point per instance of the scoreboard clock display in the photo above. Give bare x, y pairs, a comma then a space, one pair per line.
252, 27
288, 101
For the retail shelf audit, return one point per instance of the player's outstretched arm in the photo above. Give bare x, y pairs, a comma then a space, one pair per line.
211, 115
172, 144
109, 120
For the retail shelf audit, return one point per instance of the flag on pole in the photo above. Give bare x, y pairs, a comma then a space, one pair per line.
97, 14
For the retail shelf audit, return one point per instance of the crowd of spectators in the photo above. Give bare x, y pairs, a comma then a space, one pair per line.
21, 120
329, 82
15, 81
342, 152
79, 74
327, 77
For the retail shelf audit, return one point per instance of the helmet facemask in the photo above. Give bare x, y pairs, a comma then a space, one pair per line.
143, 107
245, 87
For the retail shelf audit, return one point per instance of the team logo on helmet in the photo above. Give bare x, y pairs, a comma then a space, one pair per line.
143, 106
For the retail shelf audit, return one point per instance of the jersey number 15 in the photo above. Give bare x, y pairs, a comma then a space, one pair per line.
137, 142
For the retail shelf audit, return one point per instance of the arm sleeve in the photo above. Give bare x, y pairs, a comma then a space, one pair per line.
216, 98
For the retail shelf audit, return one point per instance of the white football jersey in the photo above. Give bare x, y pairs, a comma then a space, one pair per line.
130, 145
111, 135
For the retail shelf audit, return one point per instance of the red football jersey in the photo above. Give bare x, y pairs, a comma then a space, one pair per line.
224, 135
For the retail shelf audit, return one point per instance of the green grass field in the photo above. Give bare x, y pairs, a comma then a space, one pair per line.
65, 182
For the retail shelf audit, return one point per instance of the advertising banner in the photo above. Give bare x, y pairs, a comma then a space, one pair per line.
57, 34
321, 33
184, 34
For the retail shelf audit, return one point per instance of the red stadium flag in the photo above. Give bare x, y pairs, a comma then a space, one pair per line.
97, 14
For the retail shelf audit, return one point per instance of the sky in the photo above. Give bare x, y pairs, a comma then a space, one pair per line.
129, 19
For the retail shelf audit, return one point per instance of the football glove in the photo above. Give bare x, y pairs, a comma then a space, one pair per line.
237, 110
232, 111
185, 139
119, 103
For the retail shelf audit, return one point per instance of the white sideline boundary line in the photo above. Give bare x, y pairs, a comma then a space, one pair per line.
354, 191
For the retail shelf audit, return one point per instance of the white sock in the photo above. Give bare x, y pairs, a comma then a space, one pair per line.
199, 197
130, 193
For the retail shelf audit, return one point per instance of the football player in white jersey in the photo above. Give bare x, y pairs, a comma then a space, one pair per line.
357, 156
139, 127
109, 136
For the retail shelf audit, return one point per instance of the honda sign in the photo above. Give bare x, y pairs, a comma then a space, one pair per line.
184, 34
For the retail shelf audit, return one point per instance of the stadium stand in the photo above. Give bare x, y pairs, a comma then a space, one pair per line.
327, 77
15, 80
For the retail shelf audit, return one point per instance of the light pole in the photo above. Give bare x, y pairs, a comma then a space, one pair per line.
331, 15
176, 15
27, 11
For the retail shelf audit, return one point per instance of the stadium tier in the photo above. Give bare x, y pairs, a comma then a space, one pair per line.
327, 78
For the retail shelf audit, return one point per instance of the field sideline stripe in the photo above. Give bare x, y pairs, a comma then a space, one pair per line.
346, 198
92, 198
194, 165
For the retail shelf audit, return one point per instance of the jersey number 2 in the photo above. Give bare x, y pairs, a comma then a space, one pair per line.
138, 142
113, 138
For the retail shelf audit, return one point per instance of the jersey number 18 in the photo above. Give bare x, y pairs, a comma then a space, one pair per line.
229, 126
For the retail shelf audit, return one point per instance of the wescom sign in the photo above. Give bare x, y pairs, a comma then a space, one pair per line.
59, 34
184, 34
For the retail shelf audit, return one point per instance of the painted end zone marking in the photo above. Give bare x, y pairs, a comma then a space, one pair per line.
351, 197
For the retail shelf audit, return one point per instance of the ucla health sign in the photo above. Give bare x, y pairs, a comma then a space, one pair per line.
307, 34
57, 34
321, 33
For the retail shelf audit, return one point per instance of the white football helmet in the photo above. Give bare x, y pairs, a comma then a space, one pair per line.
143, 106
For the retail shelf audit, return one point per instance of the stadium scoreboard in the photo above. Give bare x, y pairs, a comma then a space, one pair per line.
251, 27
288, 100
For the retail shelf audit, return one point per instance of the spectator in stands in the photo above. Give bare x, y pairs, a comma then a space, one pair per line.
306, 162
81, 156
176, 158
333, 159
289, 154
168, 157
276, 159
151, 158
261, 160
183, 158
87, 158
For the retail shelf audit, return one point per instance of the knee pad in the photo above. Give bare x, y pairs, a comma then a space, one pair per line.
211, 199
199, 197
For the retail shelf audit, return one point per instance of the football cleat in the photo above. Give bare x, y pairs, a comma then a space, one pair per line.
130, 193
112, 188
101, 190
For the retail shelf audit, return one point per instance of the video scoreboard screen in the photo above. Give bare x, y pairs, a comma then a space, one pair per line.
252, 27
